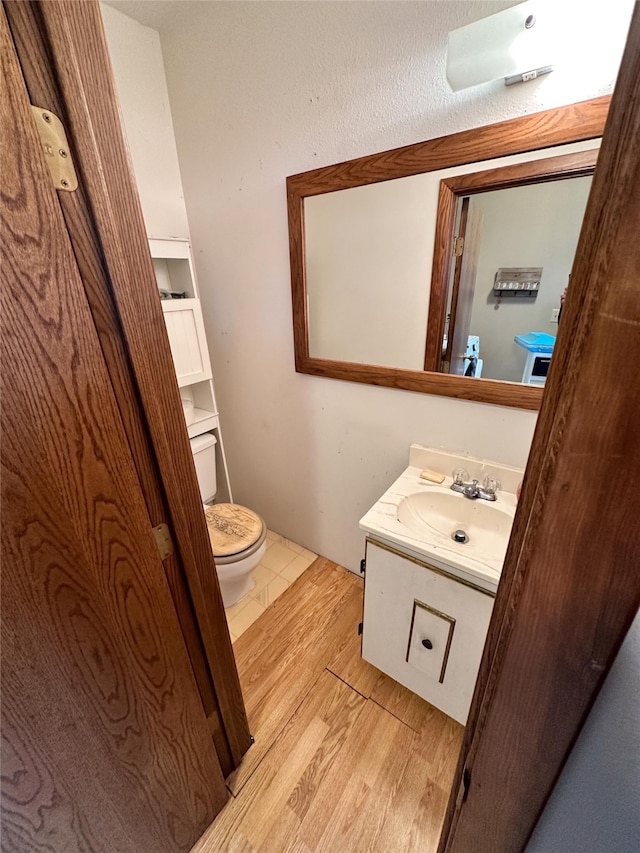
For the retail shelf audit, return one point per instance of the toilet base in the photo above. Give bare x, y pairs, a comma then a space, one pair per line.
233, 590
235, 578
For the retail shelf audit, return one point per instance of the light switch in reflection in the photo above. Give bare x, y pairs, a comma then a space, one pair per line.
430, 640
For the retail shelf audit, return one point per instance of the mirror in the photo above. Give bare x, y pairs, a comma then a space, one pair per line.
496, 294
373, 277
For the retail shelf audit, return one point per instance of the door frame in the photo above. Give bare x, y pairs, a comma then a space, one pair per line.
464, 284
65, 62
570, 587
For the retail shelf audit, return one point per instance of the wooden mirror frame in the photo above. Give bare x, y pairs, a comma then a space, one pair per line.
574, 123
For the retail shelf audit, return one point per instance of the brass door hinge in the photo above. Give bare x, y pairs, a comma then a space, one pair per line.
164, 543
56, 149
458, 247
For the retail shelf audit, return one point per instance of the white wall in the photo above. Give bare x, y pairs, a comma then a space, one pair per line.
534, 226
262, 90
368, 269
595, 805
136, 58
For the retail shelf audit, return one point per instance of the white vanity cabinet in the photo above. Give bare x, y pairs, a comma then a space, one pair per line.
424, 627
175, 275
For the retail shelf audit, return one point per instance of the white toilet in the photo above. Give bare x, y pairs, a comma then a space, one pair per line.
238, 535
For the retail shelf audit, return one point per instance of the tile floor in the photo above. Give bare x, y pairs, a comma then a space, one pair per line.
282, 564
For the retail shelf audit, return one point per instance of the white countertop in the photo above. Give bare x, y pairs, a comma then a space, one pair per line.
468, 562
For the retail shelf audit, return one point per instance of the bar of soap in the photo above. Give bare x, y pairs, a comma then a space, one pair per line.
432, 476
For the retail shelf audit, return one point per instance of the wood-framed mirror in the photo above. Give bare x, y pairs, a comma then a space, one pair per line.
352, 253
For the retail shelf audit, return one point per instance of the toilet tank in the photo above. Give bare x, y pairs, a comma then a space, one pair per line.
203, 448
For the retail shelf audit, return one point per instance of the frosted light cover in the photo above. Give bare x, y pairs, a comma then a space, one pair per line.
499, 46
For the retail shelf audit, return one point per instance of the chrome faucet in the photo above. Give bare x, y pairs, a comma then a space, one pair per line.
472, 489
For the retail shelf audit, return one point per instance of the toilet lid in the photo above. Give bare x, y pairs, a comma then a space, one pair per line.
232, 528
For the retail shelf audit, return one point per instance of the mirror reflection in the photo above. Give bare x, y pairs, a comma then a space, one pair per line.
374, 294
508, 280
368, 264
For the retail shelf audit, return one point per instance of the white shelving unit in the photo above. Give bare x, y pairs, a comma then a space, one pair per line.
175, 274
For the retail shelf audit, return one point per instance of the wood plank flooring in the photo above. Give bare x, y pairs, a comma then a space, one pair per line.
345, 759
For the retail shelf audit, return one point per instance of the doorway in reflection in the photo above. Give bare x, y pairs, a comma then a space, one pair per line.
516, 251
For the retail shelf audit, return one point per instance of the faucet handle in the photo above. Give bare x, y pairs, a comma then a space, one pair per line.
490, 485
460, 476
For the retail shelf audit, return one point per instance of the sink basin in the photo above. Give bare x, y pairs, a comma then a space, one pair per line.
418, 517
439, 512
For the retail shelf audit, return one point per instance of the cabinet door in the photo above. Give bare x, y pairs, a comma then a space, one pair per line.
185, 328
424, 629
430, 639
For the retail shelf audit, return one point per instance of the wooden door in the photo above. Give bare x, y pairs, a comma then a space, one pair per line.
63, 55
105, 744
570, 585
464, 284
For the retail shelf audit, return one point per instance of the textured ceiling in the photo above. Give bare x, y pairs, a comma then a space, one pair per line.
161, 14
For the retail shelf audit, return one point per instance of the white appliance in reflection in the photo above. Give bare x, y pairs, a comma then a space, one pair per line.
472, 360
539, 349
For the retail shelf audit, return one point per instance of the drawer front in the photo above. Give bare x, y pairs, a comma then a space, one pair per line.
430, 639
405, 603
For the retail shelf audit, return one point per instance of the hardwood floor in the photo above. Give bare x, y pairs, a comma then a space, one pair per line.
345, 760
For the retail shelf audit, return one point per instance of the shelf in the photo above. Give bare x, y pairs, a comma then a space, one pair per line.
175, 273
204, 421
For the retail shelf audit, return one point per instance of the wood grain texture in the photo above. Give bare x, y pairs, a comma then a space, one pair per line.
358, 763
572, 123
79, 60
442, 261
569, 589
462, 298
76, 207
295, 212
105, 746
349, 666
577, 165
463, 388
443, 289
305, 626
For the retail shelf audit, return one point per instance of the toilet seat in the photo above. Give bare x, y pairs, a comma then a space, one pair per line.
235, 531
238, 541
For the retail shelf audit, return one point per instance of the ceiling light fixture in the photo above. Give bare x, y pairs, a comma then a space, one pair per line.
514, 44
